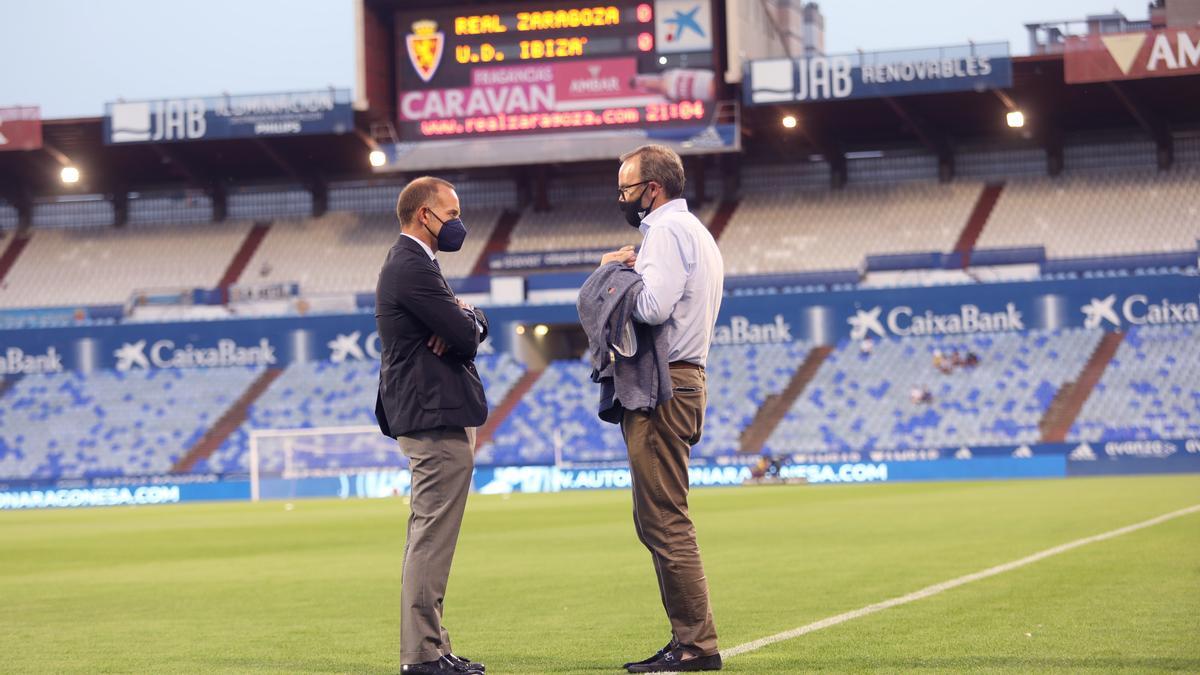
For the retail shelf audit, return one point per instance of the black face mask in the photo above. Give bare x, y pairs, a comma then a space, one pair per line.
633, 210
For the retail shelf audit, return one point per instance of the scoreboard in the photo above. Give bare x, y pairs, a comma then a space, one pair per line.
551, 80
551, 34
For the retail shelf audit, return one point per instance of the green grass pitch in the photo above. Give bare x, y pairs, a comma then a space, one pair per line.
559, 584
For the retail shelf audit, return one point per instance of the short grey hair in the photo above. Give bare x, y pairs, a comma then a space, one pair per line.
661, 165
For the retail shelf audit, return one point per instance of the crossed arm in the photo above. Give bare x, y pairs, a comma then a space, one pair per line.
456, 326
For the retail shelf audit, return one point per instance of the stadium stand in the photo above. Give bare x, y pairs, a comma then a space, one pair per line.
560, 409
110, 423
780, 231
1151, 388
378, 196
558, 412
855, 401
592, 223
863, 401
740, 378
269, 202
772, 231
499, 372
324, 394
343, 252
96, 266
1098, 213
142, 422
572, 225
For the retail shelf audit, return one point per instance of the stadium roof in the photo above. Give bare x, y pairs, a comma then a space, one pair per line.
1053, 111
940, 122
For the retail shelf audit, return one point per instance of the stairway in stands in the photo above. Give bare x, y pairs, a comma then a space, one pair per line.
1068, 401
502, 411
227, 423
721, 217
16, 244
237, 265
776, 406
499, 241
977, 221
7, 382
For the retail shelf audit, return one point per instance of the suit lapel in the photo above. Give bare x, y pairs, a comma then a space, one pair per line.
414, 249
407, 244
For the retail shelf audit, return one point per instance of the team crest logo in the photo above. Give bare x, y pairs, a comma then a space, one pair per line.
425, 48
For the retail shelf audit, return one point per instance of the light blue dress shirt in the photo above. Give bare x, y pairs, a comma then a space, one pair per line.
684, 275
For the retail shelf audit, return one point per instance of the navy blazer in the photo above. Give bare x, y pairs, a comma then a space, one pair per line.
419, 390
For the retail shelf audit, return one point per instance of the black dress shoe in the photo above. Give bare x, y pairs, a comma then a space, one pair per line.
676, 661
654, 657
443, 665
468, 663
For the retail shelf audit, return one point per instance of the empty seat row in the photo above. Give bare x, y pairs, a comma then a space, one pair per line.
1150, 389
807, 230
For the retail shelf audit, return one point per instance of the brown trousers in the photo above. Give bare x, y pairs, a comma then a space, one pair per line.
441, 462
659, 444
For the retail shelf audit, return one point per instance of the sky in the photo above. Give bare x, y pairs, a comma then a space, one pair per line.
71, 56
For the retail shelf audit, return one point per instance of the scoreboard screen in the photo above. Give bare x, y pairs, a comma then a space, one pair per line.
553, 81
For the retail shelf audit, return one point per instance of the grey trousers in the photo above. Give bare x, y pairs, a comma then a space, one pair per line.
441, 462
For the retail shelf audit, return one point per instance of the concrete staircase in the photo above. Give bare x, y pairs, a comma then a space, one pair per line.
502, 411
776, 406
499, 240
1069, 399
245, 253
977, 220
721, 218
227, 423
7, 382
16, 244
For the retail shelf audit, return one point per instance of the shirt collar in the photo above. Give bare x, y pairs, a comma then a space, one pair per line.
428, 251
673, 206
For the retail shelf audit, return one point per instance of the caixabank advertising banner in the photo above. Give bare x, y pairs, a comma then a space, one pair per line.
818, 318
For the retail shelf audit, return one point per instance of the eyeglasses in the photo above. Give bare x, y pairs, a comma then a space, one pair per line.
622, 189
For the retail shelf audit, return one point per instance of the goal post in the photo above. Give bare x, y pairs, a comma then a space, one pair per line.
291, 463
291, 455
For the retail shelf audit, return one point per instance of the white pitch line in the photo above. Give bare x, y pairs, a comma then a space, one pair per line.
953, 583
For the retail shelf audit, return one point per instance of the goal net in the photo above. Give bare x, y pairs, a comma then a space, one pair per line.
283, 462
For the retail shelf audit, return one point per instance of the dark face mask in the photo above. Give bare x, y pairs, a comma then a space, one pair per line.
452, 235
633, 210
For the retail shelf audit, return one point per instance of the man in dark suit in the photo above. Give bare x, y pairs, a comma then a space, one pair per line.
430, 399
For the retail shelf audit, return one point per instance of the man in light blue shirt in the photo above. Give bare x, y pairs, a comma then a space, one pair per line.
683, 276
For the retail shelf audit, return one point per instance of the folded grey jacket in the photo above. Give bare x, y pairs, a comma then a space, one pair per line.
629, 358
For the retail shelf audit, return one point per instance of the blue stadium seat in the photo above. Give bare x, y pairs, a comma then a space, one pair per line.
324, 394
560, 410
1151, 388
862, 401
140, 422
